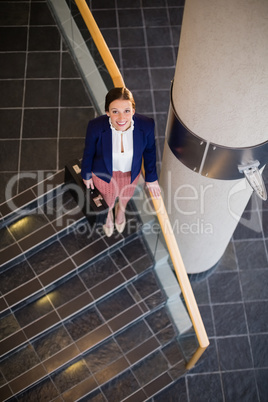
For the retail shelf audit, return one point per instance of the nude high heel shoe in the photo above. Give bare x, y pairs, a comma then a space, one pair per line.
119, 226
108, 230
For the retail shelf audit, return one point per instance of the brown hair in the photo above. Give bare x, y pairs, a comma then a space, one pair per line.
118, 93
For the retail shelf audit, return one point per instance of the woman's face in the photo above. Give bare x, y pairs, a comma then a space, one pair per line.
121, 112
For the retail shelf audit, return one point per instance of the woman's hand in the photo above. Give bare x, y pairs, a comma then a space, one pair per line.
89, 183
154, 188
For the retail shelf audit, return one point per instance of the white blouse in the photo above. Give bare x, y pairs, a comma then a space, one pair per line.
122, 161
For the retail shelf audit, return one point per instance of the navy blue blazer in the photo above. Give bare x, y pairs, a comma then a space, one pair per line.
97, 156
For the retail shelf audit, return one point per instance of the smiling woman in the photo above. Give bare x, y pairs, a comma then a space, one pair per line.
115, 145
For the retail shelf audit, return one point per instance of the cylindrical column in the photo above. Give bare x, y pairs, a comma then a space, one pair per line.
217, 121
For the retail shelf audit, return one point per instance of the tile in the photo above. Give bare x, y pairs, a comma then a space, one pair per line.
69, 69
42, 93
3, 304
12, 65
229, 319
51, 342
150, 368
134, 57
133, 336
34, 153
41, 15
105, 18
76, 88
57, 272
158, 384
17, 202
239, 386
44, 38
47, 257
89, 252
102, 356
28, 378
207, 385
62, 357
5, 239
261, 376
93, 338
125, 318
43, 65
146, 285
206, 315
162, 79
172, 392
137, 81
66, 291
249, 226
69, 149
13, 39
253, 284
83, 323
138, 396
12, 92
228, 260
107, 286
208, 363
14, 14
134, 250
5, 392
155, 17
33, 311
42, 324
115, 304
200, 290
224, 287
162, 99
98, 272
70, 376
143, 350
142, 264
143, 101
158, 36
259, 350
37, 237
24, 291
8, 325
78, 303
10, 120
251, 254
132, 37
112, 370
173, 353
257, 313
12, 342
100, 4
121, 387
234, 353
175, 15
161, 57
19, 362
80, 389
40, 390
9, 253
74, 121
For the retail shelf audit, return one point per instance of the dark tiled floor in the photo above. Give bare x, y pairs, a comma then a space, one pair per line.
43, 125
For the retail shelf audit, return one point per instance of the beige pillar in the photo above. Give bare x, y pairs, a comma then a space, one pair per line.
220, 94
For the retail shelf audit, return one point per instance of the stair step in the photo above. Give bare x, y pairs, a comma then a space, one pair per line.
74, 296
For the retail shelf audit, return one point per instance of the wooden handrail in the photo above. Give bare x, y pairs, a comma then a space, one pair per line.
157, 202
100, 43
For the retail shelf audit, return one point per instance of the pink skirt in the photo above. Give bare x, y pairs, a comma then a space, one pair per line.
119, 186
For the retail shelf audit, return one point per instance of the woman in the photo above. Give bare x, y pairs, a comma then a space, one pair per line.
114, 147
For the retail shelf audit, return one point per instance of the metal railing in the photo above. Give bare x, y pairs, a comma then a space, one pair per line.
158, 203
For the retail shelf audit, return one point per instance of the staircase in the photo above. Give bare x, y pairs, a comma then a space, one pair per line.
83, 317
